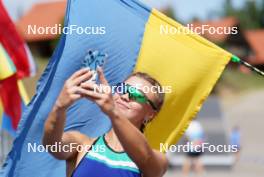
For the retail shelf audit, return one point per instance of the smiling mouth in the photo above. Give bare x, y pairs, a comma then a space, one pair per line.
122, 105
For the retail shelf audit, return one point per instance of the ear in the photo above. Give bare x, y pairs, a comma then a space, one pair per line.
150, 116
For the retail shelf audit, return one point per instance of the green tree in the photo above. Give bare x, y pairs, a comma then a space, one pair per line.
253, 14
262, 14
228, 8
169, 12
250, 15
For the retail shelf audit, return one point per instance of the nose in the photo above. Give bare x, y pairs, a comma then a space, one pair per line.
125, 97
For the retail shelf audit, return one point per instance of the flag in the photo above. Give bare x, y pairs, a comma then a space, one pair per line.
129, 33
13, 97
16, 63
15, 46
7, 67
13, 100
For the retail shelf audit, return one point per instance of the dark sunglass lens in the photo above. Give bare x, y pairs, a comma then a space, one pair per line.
132, 96
141, 99
137, 96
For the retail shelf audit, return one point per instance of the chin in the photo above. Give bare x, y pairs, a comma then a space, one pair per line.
126, 113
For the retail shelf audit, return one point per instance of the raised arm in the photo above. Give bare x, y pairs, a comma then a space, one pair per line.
54, 125
152, 163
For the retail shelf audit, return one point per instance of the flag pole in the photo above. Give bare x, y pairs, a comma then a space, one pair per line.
236, 59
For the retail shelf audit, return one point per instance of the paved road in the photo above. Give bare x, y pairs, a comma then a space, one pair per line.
247, 111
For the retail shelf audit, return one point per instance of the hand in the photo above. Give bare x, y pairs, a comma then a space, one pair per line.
100, 94
71, 90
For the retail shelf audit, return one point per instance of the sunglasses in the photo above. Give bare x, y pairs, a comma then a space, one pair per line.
133, 94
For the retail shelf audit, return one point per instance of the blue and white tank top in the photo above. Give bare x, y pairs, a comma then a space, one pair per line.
103, 161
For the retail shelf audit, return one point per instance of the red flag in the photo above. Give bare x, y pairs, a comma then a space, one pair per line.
14, 44
13, 51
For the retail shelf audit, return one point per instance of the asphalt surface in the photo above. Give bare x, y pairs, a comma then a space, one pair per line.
247, 112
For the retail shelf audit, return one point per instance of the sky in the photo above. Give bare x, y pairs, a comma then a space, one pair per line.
184, 10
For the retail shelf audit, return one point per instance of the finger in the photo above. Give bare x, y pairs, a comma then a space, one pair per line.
92, 86
76, 96
79, 73
82, 78
74, 91
89, 86
107, 89
104, 89
101, 76
89, 93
